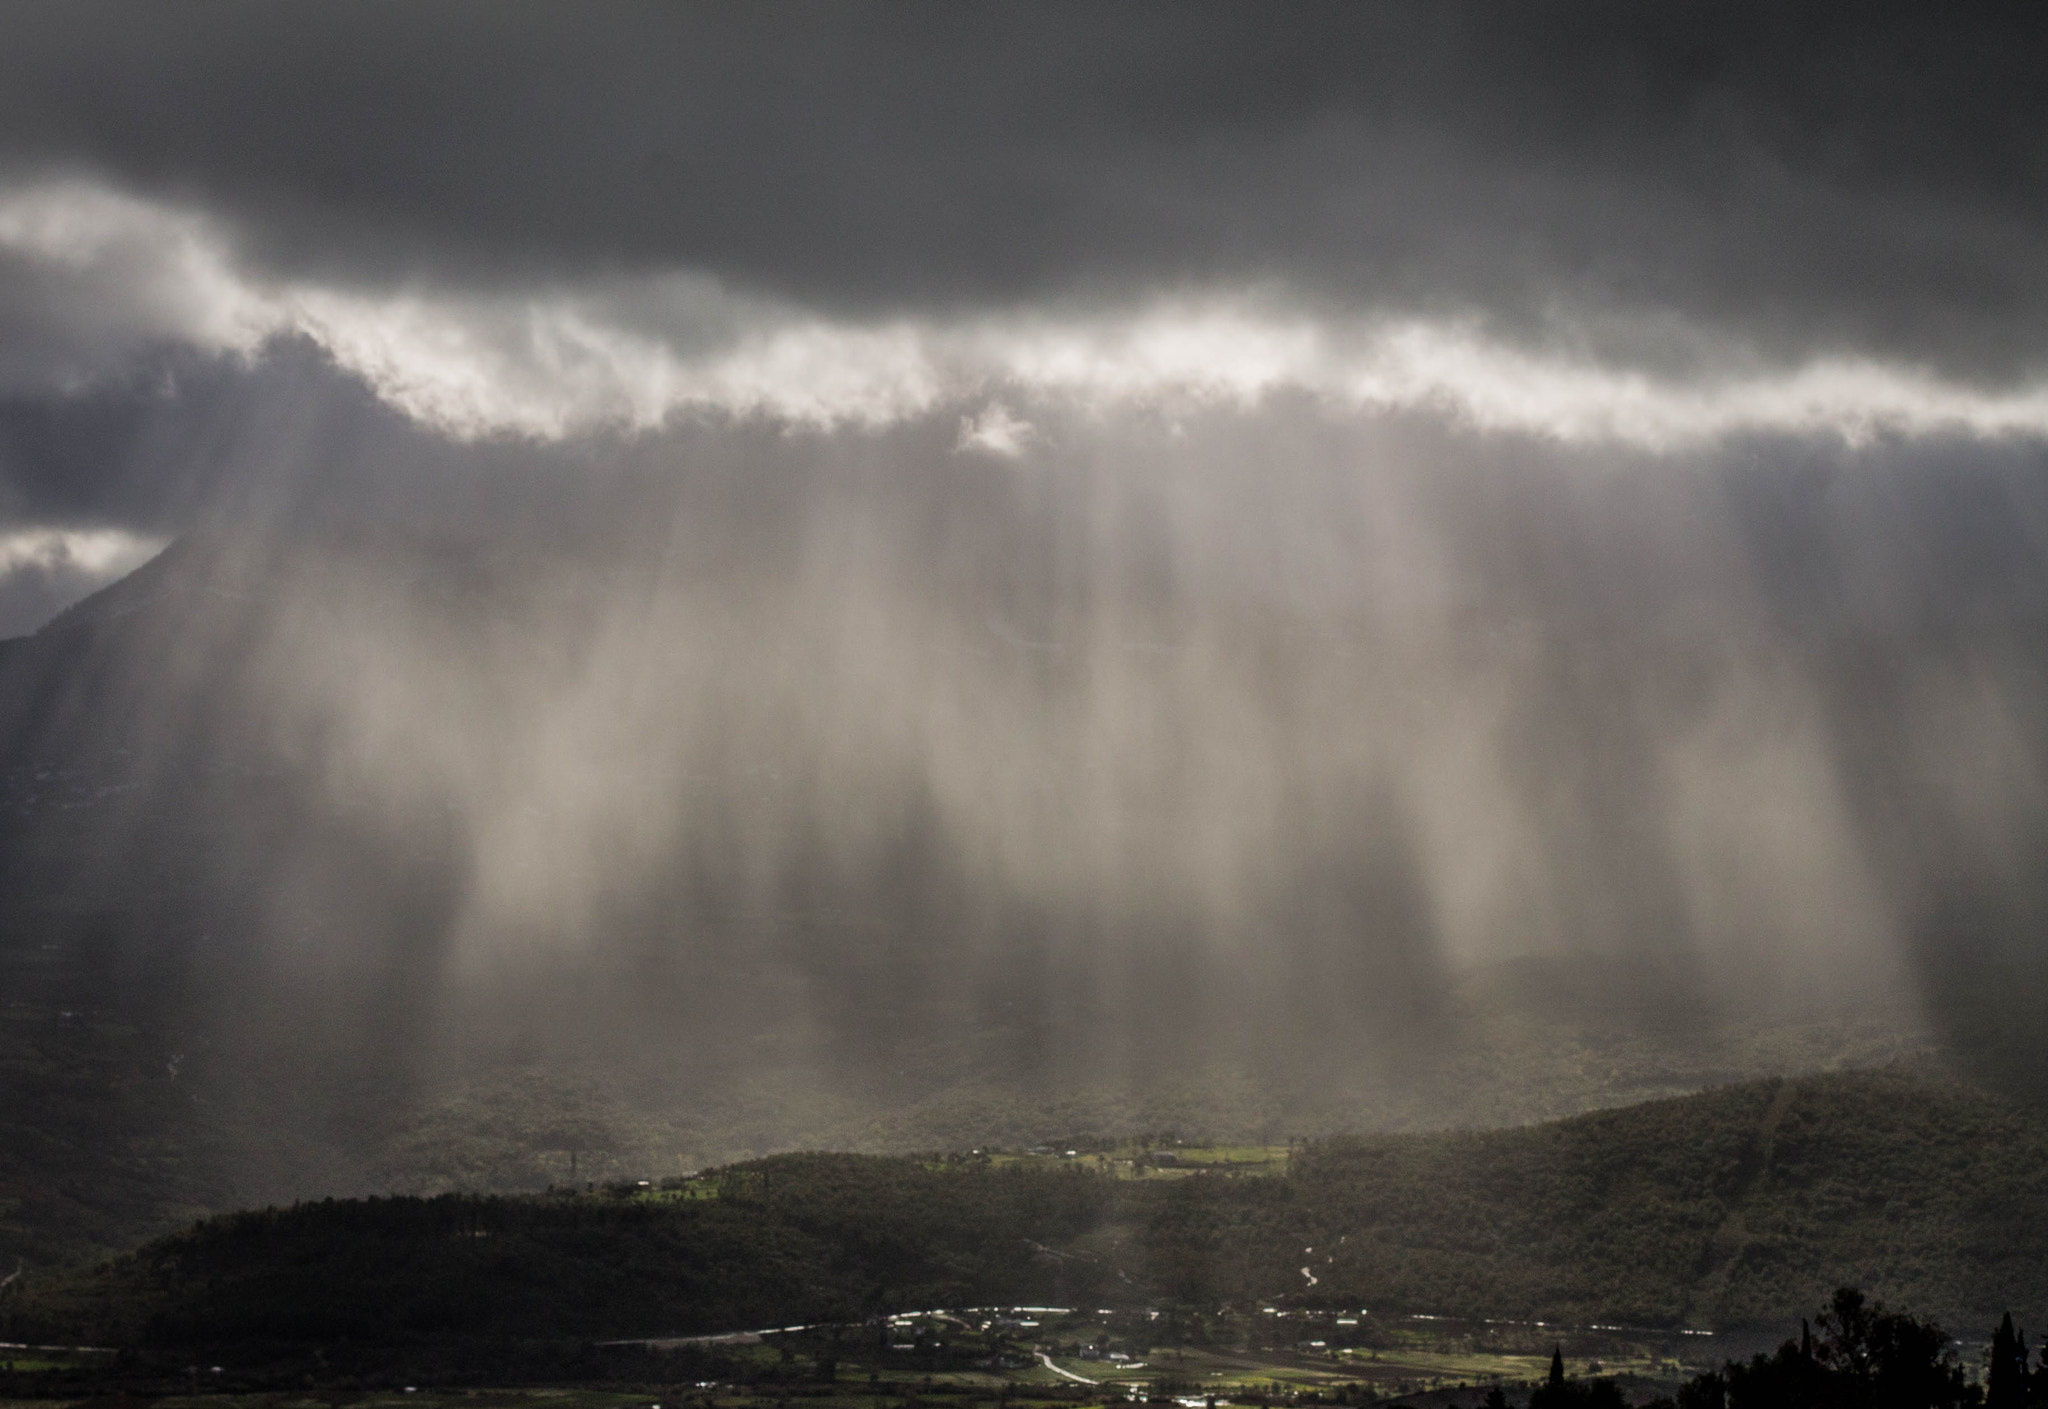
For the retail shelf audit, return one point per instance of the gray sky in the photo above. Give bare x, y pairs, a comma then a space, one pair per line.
1147, 447
1836, 181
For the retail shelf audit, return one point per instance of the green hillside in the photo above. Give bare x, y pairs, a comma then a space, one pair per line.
1737, 1207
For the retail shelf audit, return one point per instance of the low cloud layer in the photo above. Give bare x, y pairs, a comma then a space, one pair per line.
101, 278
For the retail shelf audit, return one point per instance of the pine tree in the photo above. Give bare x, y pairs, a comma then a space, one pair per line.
2006, 1387
1556, 1393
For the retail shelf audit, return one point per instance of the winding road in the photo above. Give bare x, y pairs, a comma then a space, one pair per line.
1046, 1360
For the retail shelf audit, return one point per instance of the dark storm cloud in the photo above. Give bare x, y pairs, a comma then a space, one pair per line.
1626, 177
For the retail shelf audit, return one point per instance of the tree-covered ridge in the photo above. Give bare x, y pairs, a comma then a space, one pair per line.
792, 1238
1734, 1207
1739, 1207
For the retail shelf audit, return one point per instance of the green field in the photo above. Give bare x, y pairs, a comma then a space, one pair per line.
1164, 1160
1019, 1358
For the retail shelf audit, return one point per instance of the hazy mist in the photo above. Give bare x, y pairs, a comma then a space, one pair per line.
1077, 652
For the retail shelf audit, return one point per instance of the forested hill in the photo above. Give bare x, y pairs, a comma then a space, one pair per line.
1735, 1207
1732, 1207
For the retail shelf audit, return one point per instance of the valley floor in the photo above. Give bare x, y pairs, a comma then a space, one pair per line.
1415, 1360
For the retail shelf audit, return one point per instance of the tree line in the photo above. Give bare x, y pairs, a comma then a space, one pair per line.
1856, 1354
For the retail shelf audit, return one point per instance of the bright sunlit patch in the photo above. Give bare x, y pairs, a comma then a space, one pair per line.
112, 273
996, 431
552, 367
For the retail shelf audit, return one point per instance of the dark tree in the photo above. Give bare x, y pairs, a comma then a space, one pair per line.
1559, 1393
1865, 1357
1708, 1391
2006, 1384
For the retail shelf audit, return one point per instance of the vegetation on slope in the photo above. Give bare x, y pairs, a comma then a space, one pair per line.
1735, 1207
1738, 1207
